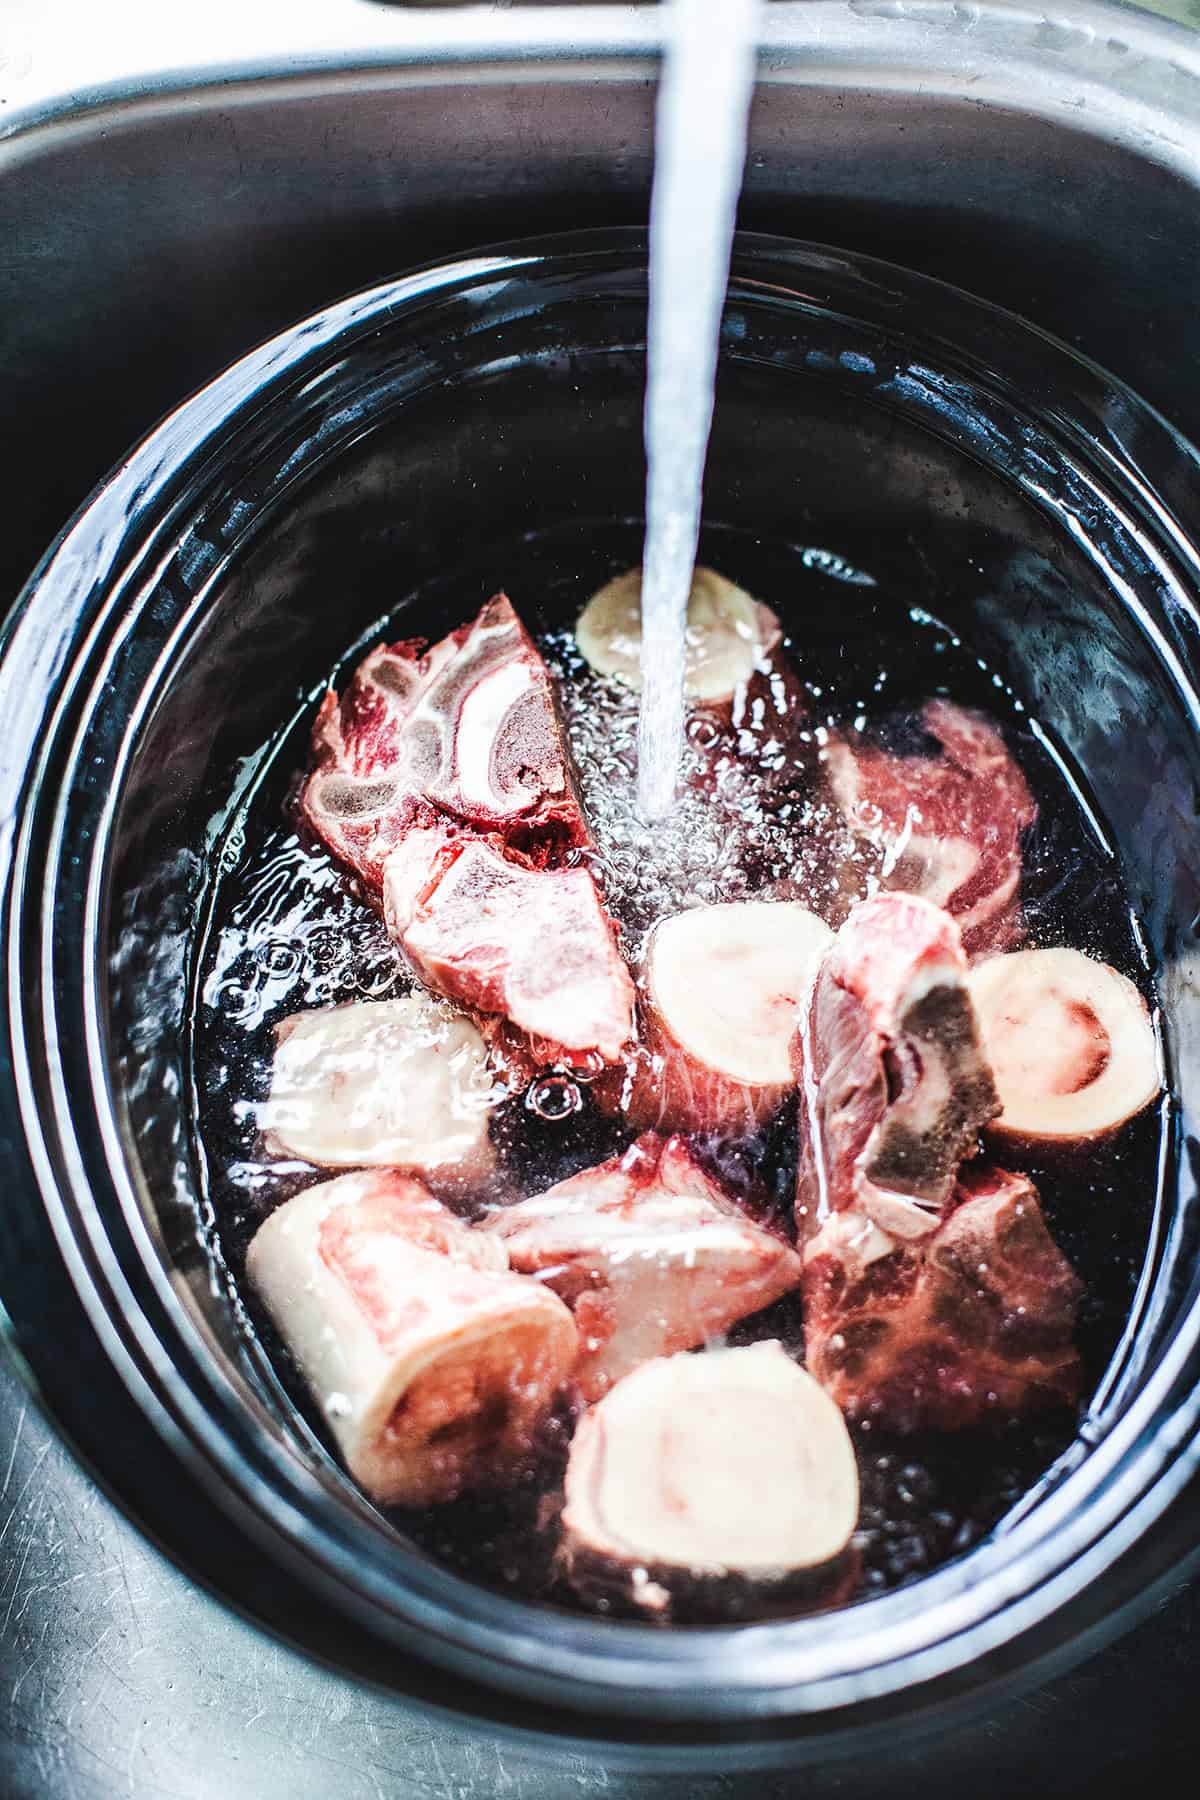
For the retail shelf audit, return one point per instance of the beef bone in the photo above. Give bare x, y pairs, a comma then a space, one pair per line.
1071, 1044
945, 826
484, 927
721, 993
724, 1464
444, 779
398, 1083
973, 1323
468, 730
650, 1252
894, 1087
433, 1364
728, 635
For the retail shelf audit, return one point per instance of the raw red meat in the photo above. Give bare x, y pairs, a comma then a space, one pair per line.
893, 1082
947, 827
444, 779
974, 1322
650, 1253
487, 928
467, 729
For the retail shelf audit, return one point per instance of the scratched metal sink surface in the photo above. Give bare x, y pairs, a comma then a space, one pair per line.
120, 1676
172, 190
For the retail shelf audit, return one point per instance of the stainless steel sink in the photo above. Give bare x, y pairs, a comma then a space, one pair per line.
174, 188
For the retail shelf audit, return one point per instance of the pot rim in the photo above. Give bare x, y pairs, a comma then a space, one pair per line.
978, 1605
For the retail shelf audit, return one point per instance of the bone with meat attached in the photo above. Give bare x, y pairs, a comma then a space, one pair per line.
973, 1323
946, 826
535, 946
1070, 1043
650, 1252
444, 779
467, 730
894, 1086
433, 1364
728, 634
722, 987
728, 1463
383, 1083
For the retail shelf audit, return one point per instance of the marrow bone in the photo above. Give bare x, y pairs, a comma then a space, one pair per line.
723, 1463
384, 1083
728, 634
536, 946
722, 992
467, 730
974, 1322
945, 826
433, 1364
1070, 1042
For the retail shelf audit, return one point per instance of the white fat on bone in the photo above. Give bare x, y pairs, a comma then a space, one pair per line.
431, 1361
728, 634
1070, 1042
854, 1238
483, 714
722, 990
398, 1083
726, 1462
650, 1252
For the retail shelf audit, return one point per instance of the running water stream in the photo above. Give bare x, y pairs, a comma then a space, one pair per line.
700, 151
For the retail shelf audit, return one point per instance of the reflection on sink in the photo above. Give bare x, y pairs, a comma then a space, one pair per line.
157, 225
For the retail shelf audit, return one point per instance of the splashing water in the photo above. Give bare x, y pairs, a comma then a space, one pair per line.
700, 150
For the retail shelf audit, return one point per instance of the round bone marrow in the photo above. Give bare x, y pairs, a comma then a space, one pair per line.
1070, 1043
727, 632
727, 1462
723, 987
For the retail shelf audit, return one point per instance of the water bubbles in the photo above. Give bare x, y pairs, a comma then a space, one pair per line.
703, 730
376, 978
279, 958
232, 850
828, 562
722, 841
553, 1097
913, 1488
321, 952
237, 1000
589, 1067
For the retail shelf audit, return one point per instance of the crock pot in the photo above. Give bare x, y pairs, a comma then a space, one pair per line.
171, 196
193, 610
